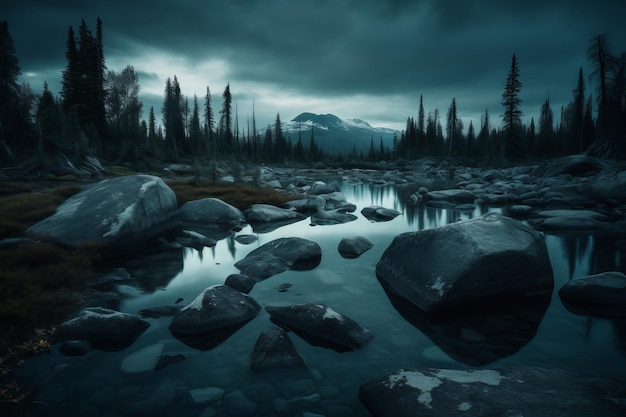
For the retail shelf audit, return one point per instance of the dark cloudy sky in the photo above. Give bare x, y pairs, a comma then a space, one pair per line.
369, 59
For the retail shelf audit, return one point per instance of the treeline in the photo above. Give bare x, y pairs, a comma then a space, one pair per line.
573, 130
99, 113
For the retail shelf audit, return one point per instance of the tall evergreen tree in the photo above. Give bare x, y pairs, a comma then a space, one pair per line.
9, 91
421, 128
451, 128
546, 129
226, 120
578, 117
195, 133
512, 117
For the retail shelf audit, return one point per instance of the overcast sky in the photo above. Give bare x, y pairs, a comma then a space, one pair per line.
369, 59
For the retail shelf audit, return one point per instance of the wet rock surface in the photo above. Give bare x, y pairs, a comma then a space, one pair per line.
471, 262
119, 215
485, 392
320, 325
280, 255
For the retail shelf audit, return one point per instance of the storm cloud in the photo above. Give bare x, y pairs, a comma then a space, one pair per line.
356, 58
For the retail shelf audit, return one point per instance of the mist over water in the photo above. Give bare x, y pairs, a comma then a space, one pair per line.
540, 333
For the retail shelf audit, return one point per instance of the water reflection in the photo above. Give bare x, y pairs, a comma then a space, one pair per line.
155, 269
600, 253
477, 338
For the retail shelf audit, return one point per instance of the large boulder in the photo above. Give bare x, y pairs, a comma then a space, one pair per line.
118, 215
320, 325
211, 210
104, 328
571, 165
489, 392
274, 350
216, 307
601, 294
482, 261
280, 255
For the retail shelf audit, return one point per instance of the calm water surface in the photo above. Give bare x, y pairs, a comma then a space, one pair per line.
544, 334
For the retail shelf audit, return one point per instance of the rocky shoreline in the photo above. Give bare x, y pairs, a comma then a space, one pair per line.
574, 195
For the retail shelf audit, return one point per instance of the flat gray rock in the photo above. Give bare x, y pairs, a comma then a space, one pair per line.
528, 392
211, 210
454, 196
97, 324
601, 295
320, 325
118, 215
265, 213
215, 308
354, 246
480, 261
280, 255
379, 214
331, 217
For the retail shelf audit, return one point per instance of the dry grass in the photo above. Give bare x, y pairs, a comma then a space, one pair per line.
241, 196
22, 208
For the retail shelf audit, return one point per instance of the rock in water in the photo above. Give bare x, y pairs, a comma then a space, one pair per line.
601, 295
280, 255
490, 392
211, 210
354, 246
482, 261
103, 327
320, 325
118, 215
215, 307
274, 350
262, 213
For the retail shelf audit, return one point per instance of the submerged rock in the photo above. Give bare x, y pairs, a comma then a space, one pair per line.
601, 295
489, 392
280, 255
105, 328
482, 261
354, 246
119, 215
320, 325
274, 350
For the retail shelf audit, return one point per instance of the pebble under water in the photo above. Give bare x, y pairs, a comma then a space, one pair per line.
219, 381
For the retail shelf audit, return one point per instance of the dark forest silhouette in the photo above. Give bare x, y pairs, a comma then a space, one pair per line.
99, 113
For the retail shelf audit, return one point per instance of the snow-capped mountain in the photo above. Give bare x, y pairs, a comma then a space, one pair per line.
335, 135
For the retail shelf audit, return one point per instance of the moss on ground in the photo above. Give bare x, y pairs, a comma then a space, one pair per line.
241, 196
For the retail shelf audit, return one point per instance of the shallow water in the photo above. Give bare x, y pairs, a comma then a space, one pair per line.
544, 334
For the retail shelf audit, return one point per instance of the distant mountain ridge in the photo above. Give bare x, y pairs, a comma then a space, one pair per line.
336, 135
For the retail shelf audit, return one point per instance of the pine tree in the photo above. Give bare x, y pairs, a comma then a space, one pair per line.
226, 122
9, 92
546, 129
451, 128
512, 117
421, 129
195, 134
